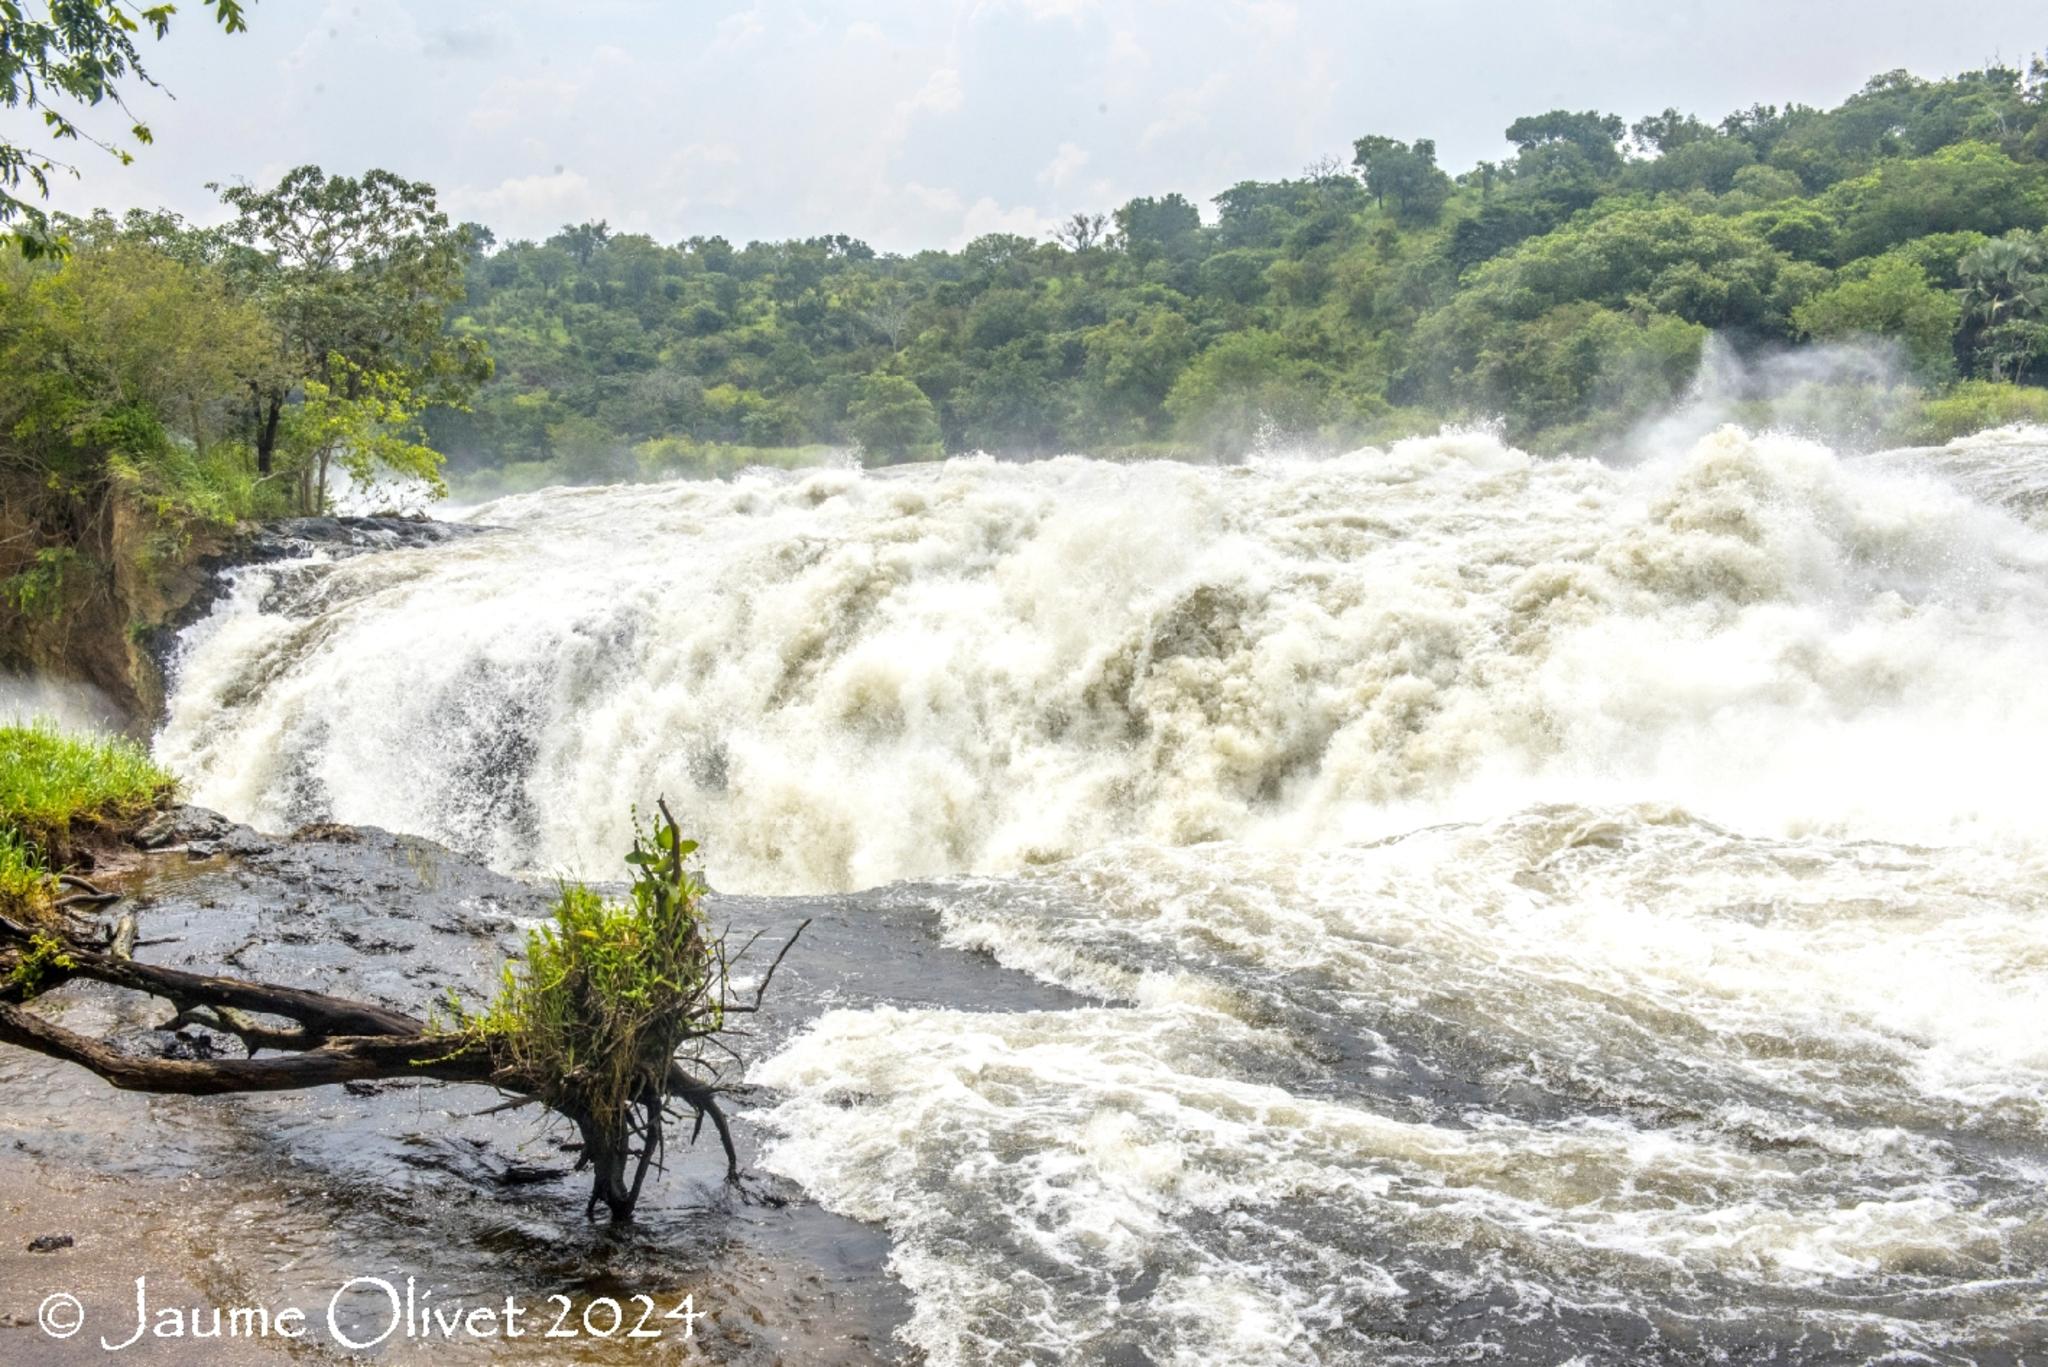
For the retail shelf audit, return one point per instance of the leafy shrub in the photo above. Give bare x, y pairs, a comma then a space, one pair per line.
611, 990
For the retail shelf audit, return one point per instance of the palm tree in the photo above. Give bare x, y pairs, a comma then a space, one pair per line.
2006, 295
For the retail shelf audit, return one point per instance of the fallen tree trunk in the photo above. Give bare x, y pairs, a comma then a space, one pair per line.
330, 1039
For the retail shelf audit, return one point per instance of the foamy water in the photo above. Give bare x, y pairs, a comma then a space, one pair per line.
1538, 909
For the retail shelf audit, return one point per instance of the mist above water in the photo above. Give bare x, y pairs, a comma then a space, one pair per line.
843, 679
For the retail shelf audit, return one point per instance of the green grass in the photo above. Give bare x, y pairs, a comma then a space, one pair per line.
52, 784
24, 882
1972, 406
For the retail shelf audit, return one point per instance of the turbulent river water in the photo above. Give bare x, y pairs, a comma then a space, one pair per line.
1527, 909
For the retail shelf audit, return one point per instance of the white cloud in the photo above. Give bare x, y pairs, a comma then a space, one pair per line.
945, 217
1065, 164
526, 206
1054, 9
987, 216
463, 42
1184, 111
736, 31
510, 101
941, 94
1272, 20
346, 24
936, 200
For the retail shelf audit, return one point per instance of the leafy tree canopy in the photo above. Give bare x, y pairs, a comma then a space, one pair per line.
58, 60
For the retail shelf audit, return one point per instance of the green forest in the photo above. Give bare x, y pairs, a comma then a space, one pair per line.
1567, 290
344, 324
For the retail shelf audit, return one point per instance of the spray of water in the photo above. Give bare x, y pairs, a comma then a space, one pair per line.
845, 679
1547, 910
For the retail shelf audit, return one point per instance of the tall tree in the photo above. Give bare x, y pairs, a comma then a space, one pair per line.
2005, 297
1407, 171
358, 275
73, 57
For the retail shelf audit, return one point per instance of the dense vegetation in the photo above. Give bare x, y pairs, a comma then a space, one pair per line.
1567, 289
209, 377
343, 324
54, 790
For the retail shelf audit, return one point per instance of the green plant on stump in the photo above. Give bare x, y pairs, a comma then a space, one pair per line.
606, 1021
608, 996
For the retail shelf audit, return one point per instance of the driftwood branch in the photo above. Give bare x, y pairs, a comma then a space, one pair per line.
327, 1040
343, 1059
619, 1063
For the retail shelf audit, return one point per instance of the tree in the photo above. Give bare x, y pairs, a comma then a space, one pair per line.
893, 420
1892, 298
364, 423
1082, 231
123, 362
122, 326
2005, 297
1407, 172
582, 240
1131, 365
890, 315
1148, 226
363, 269
76, 55
1565, 158
1665, 133
1245, 387
1595, 135
1971, 186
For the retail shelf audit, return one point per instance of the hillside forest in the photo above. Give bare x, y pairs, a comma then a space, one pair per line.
339, 326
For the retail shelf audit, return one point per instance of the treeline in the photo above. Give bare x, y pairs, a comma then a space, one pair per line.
1566, 289
157, 380
337, 326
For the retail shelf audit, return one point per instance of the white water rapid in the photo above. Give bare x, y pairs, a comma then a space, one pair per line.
1538, 910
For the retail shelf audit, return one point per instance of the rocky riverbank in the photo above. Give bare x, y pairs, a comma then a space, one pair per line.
279, 1200
111, 610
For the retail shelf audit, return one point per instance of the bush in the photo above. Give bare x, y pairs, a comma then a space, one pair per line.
1892, 298
1971, 406
893, 420
24, 882
609, 992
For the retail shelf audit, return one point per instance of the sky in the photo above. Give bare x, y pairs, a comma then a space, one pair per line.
924, 123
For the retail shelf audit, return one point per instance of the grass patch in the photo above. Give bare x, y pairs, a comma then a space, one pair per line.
1972, 406
25, 885
52, 784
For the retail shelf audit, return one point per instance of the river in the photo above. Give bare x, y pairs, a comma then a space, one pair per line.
1519, 910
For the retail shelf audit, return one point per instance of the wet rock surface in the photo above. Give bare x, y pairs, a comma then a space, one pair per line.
284, 1198
293, 537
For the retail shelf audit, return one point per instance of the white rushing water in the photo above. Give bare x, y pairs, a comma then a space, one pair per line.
1538, 909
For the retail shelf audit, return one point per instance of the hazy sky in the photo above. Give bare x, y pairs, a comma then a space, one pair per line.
922, 123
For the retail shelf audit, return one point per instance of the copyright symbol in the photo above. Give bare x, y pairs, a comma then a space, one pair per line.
60, 1315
